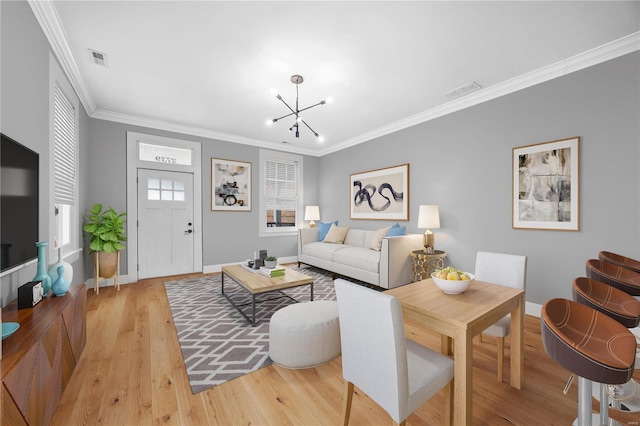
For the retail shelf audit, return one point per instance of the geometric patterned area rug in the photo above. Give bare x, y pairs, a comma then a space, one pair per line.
218, 344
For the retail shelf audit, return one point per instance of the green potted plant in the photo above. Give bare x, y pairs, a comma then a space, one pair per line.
270, 261
106, 232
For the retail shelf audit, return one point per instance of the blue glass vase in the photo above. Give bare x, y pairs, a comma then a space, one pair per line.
41, 272
60, 285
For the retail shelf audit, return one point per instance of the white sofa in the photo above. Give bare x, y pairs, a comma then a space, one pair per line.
388, 268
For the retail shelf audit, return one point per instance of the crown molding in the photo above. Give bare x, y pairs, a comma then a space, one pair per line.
49, 21
135, 120
606, 52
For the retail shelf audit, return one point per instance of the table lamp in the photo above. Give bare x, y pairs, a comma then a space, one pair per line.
429, 217
312, 213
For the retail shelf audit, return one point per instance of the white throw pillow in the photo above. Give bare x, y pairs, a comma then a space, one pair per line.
336, 234
376, 241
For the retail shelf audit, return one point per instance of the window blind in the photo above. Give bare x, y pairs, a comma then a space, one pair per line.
64, 136
281, 184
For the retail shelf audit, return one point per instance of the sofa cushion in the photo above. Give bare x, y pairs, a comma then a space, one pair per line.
376, 240
321, 250
336, 234
358, 257
323, 228
397, 230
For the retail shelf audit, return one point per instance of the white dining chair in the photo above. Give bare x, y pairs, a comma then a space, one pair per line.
503, 269
398, 374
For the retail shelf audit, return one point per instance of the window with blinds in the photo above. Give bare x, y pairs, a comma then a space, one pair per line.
65, 154
281, 192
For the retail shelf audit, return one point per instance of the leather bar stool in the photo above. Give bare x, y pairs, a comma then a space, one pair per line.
614, 275
623, 308
620, 260
607, 299
617, 276
588, 343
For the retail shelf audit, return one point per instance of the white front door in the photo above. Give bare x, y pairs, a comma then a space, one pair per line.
165, 223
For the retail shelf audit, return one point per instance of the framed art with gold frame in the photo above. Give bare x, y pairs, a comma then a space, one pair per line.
546, 183
381, 194
230, 185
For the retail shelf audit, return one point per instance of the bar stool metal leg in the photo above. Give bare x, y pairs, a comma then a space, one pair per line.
584, 401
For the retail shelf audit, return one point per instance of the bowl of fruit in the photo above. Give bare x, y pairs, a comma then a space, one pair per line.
451, 280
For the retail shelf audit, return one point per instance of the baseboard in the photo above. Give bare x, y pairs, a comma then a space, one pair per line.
532, 309
212, 269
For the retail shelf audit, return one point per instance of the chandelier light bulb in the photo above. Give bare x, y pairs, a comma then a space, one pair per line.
329, 100
298, 119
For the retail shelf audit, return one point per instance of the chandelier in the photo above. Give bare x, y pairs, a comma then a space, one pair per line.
297, 80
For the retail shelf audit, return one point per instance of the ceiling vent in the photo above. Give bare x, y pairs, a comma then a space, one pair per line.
99, 58
463, 90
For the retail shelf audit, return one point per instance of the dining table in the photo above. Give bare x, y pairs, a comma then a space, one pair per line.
457, 318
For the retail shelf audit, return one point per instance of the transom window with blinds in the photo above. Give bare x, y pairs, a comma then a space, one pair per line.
65, 136
281, 196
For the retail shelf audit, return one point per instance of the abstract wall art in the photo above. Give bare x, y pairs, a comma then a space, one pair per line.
230, 185
545, 185
381, 194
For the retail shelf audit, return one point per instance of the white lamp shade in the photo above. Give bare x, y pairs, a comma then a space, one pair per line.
312, 213
428, 217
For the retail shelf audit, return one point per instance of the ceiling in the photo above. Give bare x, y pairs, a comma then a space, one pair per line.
206, 68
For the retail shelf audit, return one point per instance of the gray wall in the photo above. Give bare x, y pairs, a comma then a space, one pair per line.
228, 236
462, 162
24, 116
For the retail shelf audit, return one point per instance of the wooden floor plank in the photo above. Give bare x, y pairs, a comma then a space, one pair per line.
132, 373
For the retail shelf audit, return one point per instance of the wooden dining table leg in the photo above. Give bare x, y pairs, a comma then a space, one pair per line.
517, 344
446, 348
462, 377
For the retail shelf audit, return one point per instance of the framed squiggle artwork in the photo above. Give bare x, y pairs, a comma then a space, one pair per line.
381, 194
546, 186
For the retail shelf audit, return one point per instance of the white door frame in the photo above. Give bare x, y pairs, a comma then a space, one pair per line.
133, 163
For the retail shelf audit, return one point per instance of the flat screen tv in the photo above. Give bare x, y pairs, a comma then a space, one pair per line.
18, 203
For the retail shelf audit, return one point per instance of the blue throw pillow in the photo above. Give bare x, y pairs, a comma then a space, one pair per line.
324, 227
397, 230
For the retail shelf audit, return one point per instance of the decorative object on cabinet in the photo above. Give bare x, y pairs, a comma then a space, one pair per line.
68, 269
41, 271
545, 182
429, 217
230, 185
380, 194
8, 328
312, 213
60, 285
423, 264
30, 294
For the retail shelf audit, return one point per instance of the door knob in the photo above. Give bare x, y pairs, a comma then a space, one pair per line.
188, 231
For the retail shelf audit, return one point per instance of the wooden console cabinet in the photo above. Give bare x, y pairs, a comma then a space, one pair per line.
39, 358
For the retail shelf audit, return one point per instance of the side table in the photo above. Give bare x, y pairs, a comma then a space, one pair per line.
423, 264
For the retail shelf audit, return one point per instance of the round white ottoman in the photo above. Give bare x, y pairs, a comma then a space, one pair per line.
304, 335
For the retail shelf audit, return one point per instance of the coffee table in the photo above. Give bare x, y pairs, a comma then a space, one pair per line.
256, 283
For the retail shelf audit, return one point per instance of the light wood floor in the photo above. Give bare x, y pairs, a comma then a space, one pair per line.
132, 373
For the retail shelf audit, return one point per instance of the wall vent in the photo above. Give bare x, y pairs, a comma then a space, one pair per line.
99, 57
463, 90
